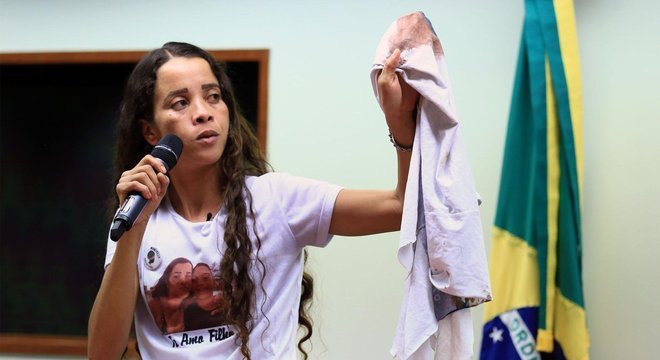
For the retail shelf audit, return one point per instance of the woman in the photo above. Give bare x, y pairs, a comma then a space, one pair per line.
167, 297
204, 309
262, 220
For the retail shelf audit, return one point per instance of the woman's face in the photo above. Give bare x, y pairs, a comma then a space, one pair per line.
188, 103
179, 281
202, 279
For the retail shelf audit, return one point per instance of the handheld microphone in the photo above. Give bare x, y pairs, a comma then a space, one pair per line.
167, 151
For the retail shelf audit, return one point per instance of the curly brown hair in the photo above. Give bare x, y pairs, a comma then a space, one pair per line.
242, 157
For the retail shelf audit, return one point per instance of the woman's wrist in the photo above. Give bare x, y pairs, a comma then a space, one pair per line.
401, 127
398, 146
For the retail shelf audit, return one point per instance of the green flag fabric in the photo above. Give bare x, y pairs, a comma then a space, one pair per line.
535, 260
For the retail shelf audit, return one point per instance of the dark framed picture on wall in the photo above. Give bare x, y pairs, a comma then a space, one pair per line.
58, 113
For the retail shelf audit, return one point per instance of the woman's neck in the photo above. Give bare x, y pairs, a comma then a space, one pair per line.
194, 195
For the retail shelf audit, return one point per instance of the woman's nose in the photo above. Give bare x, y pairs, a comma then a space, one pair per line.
202, 118
202, 113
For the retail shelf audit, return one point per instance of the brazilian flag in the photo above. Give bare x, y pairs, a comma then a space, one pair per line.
535, 262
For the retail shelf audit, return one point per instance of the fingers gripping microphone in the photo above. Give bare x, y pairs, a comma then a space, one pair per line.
167, 151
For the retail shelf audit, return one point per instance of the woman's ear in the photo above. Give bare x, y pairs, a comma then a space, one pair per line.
149, 132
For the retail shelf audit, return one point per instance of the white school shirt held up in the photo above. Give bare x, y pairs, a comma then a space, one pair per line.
441, 244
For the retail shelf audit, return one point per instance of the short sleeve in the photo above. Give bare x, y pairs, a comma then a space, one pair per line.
306, 205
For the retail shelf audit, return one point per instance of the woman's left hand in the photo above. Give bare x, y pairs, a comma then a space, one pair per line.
398, 101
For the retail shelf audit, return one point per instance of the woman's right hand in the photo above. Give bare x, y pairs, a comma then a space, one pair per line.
147, 178
111, 317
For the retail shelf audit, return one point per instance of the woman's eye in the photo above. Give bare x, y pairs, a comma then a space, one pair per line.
214, 98
179, 105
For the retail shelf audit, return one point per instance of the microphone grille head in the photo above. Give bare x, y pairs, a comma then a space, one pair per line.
168, 149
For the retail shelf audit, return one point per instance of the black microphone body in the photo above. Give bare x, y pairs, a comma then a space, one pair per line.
167, 151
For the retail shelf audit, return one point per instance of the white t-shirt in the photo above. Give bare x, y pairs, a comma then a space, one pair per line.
291, 213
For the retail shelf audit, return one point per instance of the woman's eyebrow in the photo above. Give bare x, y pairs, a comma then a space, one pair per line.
174, 93
177, 92
210, 86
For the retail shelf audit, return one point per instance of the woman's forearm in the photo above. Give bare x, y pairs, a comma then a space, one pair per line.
112, 314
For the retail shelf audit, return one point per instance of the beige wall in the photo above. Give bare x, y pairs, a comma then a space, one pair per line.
324, 123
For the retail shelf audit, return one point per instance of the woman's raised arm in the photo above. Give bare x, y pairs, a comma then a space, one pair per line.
363, 212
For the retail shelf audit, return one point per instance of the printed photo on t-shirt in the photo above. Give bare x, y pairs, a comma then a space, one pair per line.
186, 297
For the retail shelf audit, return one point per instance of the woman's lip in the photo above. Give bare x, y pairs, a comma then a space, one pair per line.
207, 139
207, 134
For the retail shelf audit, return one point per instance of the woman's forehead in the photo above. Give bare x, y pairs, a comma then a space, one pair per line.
181, 72
182, 264
202, 268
